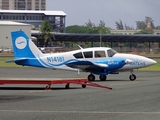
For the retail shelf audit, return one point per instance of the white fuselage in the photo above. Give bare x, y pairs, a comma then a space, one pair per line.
59, 59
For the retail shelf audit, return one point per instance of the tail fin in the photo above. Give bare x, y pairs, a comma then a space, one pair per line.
23, 46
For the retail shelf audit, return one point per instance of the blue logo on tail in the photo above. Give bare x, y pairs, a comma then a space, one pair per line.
21, 42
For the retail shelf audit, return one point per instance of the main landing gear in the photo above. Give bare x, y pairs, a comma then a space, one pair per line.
91, 77
103, 77
132, 77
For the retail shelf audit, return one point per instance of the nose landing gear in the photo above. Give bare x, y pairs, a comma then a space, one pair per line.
132, 77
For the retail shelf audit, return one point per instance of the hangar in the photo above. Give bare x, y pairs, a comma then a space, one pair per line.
5, 32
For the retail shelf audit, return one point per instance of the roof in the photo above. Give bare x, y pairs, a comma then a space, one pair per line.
105, 37
56, 13
12, 23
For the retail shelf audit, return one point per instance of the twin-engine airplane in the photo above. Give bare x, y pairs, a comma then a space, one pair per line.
99, 60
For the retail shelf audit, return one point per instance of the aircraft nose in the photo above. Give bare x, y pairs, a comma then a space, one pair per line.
151, 62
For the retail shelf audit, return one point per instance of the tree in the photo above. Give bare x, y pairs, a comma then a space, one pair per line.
119, 25
102, 28
102, 23
77, 29
90, 24
128, 27
85, 29
143, 24
45, 32
89, 27
146, 26
149, 19
145, 32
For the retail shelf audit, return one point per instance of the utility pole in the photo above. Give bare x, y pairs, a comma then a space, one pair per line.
100, 38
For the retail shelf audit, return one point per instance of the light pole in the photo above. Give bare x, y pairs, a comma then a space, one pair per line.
100, 39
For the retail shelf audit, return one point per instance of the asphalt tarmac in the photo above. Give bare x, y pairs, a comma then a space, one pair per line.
129, 100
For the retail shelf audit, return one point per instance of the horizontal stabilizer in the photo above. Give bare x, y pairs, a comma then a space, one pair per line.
17, 59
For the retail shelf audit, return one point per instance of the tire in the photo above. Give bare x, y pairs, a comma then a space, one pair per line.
83, 86
67, 86
103, 77
91, 77
132, 77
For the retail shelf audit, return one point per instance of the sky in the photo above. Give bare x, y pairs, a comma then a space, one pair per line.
80, 11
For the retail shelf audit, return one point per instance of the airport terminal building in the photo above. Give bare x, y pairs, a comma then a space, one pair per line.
35, 18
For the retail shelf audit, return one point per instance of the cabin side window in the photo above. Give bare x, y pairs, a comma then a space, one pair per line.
88, 54
111, 52
78, 55
99, 54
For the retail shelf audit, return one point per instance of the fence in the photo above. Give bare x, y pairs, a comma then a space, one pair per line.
124, 49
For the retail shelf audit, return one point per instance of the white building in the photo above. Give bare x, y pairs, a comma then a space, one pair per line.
131, 32
56, 18
6, 27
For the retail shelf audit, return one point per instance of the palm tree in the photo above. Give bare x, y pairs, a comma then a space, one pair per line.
45, 32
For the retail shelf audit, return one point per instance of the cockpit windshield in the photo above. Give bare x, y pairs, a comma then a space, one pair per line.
111, 52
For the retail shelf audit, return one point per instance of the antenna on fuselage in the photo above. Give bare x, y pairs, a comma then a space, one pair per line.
82, 55
79, 46
82, 51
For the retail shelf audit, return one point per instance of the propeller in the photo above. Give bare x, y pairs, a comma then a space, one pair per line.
128, 61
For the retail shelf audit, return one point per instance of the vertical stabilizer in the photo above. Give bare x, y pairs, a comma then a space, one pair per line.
23, 46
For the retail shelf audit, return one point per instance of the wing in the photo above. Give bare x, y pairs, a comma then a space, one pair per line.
87, 65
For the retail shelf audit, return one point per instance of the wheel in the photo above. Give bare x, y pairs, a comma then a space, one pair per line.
91, 77
83, 86
102, 77
132, 77
67, 86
